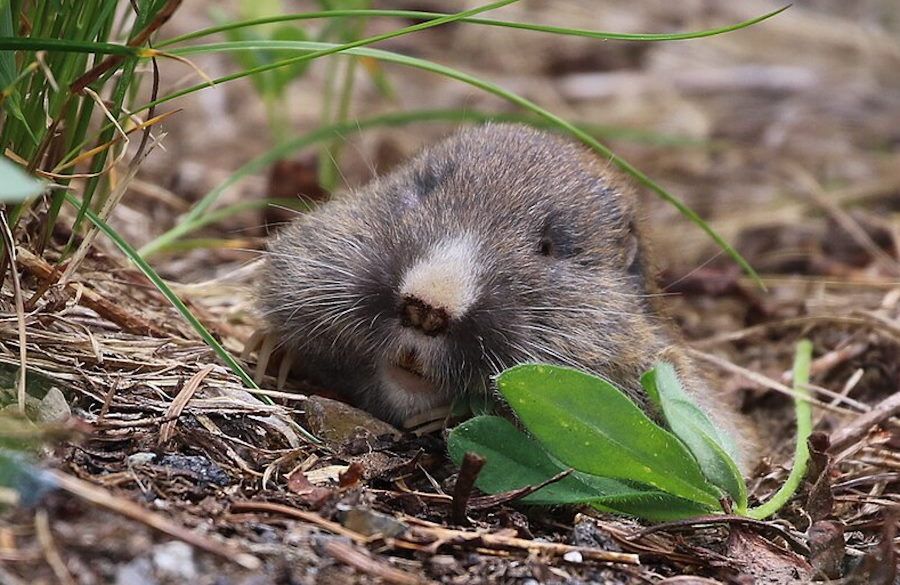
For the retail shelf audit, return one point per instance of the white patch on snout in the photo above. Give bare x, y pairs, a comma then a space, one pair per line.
446, 277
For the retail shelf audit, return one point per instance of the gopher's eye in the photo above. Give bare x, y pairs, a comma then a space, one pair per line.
557, 240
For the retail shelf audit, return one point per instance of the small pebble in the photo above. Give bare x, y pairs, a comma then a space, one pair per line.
141, 458
573, 556
137, 572
53, 407
175, 559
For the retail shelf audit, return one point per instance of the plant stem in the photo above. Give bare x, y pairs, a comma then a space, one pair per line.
802, 359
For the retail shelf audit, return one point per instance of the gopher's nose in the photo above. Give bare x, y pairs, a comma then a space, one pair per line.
420, 315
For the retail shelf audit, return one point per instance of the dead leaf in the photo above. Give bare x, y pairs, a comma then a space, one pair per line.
765, 562
826, 547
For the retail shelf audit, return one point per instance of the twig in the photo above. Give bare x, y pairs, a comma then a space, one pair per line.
502, 498
154, 94
880, 322
289, 396
653, 546
139, 39
437, 535
842, 218
105, 499
468, 472
296, 513
107, 401
760, 379
858, 428
713, 519
440, 535
797, 322
174, 411
45, 538
10, 246
359, 560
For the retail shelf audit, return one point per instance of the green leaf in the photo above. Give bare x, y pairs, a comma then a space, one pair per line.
515, 460
715, 450
654, 505
68, 46
8, 73
592, 426
15, 184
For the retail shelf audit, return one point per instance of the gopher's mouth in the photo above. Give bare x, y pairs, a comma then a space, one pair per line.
407, 373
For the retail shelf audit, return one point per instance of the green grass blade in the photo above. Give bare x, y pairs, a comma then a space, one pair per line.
490, 87
803, 410
10, 78
326, 49
197, 217
558, 30
68, 46
170, 295
166, 241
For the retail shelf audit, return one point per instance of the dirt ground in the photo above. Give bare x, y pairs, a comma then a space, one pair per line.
786, 136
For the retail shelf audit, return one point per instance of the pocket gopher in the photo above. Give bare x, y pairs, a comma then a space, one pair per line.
499, 245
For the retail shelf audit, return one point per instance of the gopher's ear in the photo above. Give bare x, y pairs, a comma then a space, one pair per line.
634, 261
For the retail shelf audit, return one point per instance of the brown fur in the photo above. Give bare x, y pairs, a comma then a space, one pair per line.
329, 289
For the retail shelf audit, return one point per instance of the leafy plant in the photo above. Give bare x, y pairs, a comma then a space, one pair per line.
714, 449
622, 461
